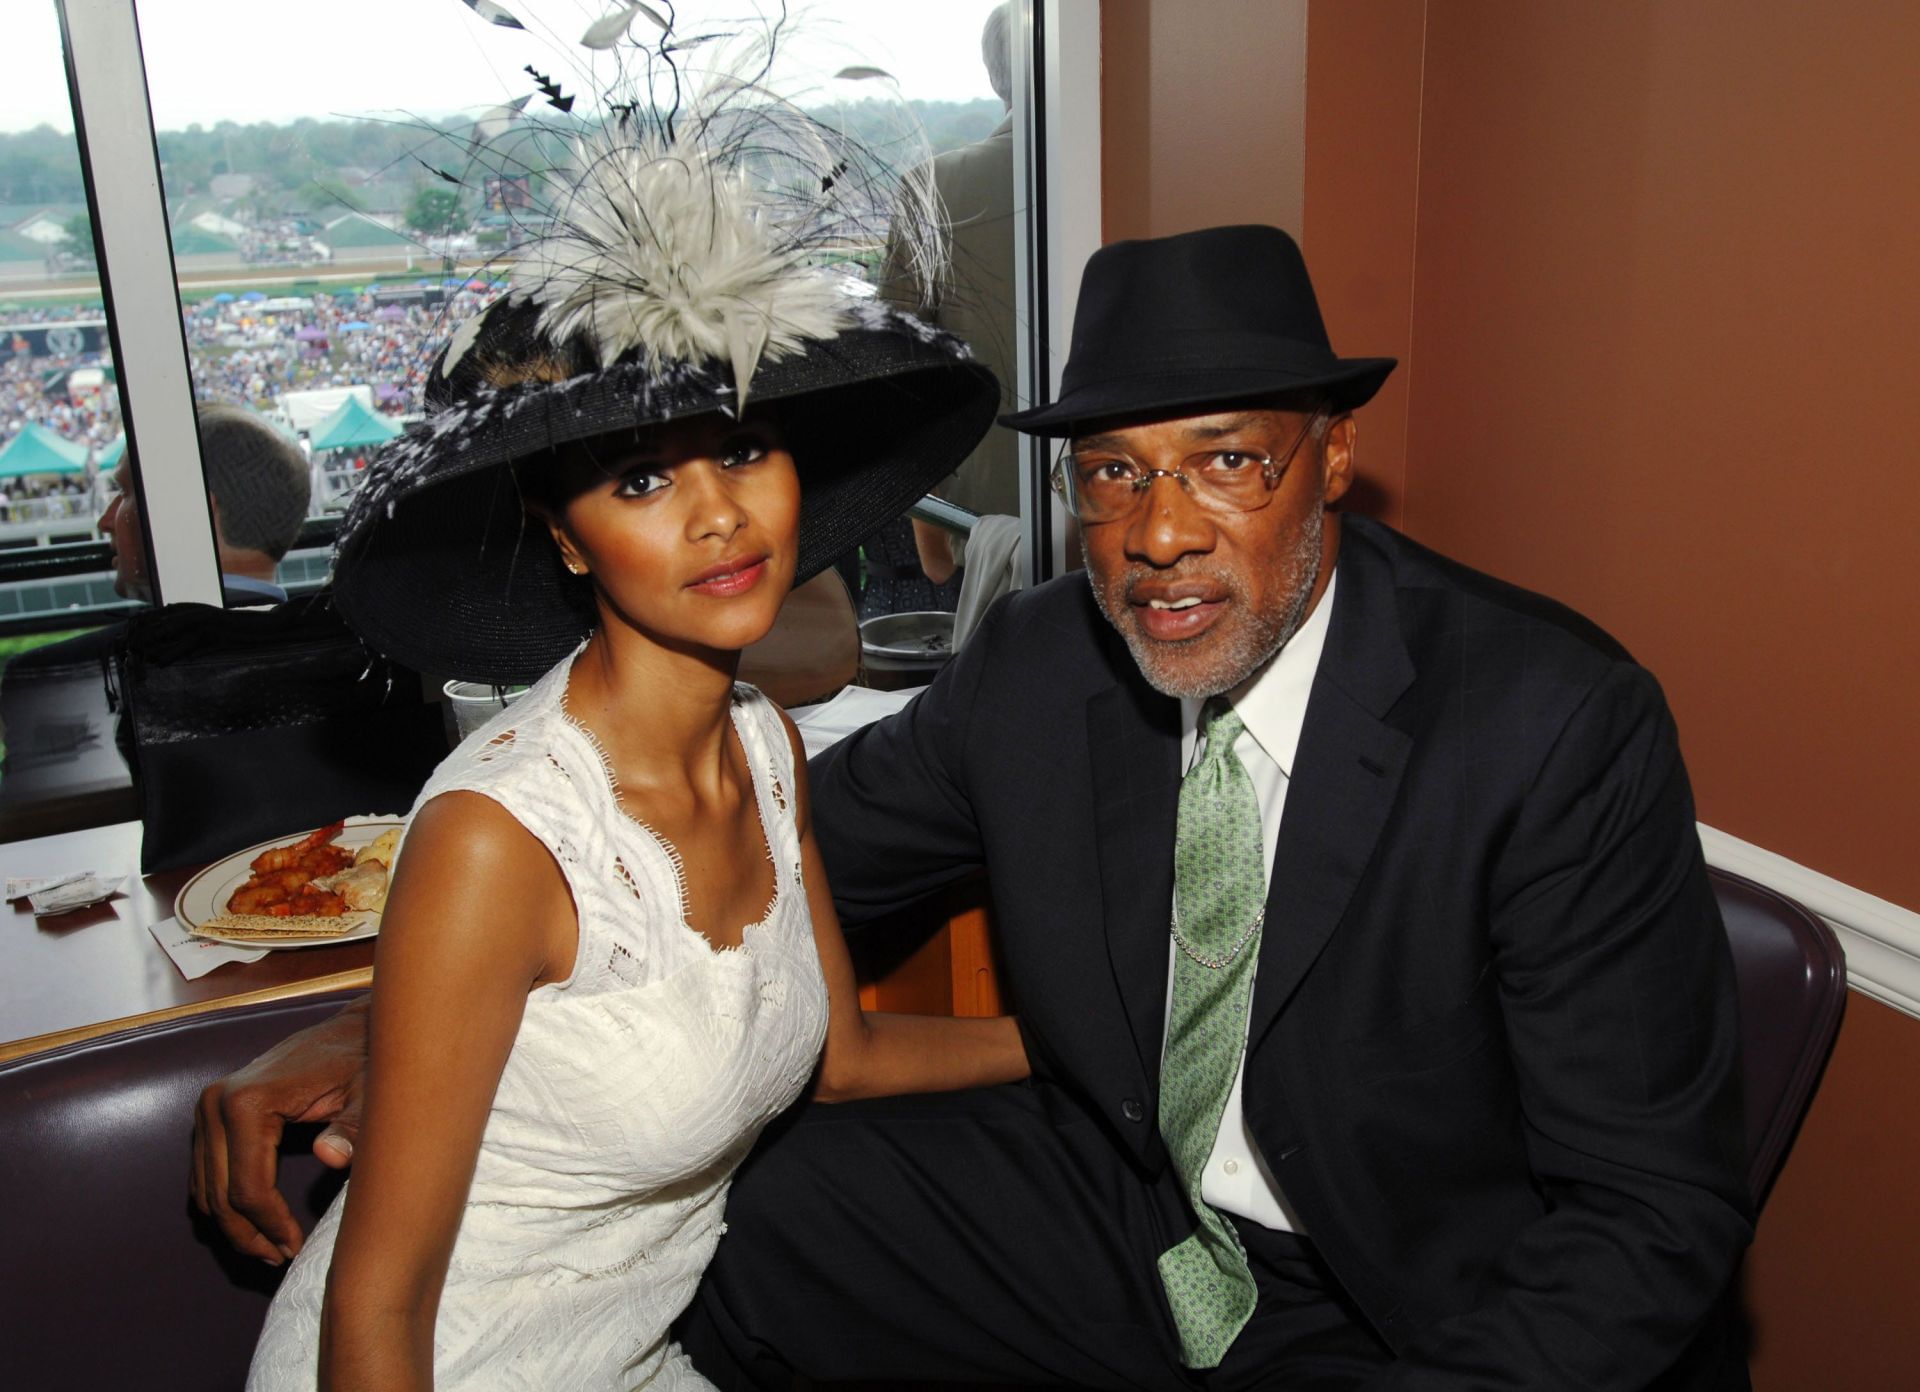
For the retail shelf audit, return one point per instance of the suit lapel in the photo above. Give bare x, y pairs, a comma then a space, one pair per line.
1133, 738
1346, 776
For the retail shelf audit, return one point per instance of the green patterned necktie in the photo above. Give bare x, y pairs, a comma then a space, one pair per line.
1219, 891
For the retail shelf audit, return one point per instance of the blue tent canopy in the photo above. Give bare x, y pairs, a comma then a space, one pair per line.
110, 456
37, 450
223, 298
253, 295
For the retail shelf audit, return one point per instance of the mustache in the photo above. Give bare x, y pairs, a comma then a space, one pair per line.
1128, 580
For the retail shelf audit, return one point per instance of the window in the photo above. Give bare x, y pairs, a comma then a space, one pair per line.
63, 454
304, 261
61, 433
323, 256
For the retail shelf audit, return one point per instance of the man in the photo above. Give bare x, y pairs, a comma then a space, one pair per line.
975, 296
1380, 1016
974, 299
258, 489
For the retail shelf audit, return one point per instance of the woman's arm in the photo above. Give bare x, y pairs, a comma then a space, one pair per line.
479, 915
876, 1055
935, 547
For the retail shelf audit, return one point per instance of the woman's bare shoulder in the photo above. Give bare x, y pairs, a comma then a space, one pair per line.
470, 825
468, 864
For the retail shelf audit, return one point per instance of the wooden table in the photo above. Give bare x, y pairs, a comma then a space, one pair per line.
98, 970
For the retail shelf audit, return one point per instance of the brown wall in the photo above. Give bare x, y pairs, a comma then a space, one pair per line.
1173, 97
1650, 271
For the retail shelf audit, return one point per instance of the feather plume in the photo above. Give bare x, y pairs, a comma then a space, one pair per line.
664, 251
493, 122
608, 30
713, 206
495, 14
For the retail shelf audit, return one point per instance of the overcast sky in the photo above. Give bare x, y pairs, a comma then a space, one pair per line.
275, 60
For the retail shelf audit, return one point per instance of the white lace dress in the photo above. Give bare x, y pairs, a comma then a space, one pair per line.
632, 1091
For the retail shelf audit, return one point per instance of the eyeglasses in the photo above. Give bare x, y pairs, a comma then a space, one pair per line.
1103, 485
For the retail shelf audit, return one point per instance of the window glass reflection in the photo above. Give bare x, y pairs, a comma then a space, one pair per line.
63, 457
916, 571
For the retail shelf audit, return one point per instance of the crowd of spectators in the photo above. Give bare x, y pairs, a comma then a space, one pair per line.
244, 352
27, 396
241, 352
46, 499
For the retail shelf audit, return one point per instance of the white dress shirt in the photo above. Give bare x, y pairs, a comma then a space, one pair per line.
1273, 703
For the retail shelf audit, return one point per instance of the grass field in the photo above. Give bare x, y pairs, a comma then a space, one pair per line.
12, 645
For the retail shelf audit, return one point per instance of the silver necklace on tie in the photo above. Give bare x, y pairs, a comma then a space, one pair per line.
1225, 960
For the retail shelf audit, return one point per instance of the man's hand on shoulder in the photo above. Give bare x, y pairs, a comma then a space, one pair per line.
315, 1075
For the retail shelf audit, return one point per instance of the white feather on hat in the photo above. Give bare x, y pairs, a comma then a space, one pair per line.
707, 209
666, 251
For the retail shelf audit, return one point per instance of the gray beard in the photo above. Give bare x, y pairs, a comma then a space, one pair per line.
1244, 651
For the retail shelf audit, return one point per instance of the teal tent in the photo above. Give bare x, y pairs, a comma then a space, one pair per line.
37, 450
111, 456
353, 425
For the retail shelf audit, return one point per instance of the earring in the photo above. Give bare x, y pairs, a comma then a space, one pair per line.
573, 569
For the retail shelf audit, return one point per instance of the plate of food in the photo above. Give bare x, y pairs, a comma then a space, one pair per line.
297, 891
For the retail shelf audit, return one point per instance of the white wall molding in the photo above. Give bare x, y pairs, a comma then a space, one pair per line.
1881, 939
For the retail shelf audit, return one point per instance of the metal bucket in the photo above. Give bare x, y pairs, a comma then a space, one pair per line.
908, 649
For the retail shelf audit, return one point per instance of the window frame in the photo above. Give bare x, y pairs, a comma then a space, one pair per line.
120, 165
1056, 168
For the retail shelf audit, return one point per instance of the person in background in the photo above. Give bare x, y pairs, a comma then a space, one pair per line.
258, 490
974, 299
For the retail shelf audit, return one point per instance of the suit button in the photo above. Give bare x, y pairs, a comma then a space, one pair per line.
1131, 1109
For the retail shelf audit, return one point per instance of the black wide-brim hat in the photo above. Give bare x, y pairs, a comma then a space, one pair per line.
1195, 320
439, 565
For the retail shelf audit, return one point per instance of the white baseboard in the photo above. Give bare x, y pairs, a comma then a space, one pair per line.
1881, 939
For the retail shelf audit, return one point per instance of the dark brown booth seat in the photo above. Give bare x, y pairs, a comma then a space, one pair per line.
1792, 980
108, 1278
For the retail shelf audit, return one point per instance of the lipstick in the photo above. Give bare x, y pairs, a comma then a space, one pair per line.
730, 578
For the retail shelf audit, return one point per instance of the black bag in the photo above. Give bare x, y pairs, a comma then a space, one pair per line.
243, 725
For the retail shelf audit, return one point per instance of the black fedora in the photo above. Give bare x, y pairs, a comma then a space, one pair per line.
1197, 319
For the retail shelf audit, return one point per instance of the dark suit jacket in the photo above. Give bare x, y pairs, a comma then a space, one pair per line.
1492, 1053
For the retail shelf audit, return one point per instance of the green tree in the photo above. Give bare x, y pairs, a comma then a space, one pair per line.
79, 243
434, 212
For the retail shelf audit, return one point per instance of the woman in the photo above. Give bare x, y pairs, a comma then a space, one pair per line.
610, 954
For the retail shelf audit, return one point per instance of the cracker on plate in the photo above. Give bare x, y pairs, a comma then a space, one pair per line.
267, 927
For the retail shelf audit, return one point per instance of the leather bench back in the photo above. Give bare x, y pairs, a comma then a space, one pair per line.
109, 1278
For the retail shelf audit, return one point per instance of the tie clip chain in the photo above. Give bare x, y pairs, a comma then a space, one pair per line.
1225, 960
